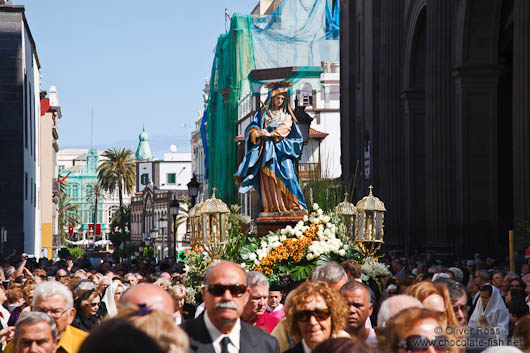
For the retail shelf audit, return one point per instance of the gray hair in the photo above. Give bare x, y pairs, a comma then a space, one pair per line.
255, 278
330, 272
393, 305
34, 317
9, 271
459, 275
84, 285
456, 289
49, 288
484, 275
210, 268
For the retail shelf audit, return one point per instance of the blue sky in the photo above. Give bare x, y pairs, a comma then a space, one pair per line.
133, 62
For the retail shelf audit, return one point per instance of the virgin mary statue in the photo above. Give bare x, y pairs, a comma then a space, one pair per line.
274, 142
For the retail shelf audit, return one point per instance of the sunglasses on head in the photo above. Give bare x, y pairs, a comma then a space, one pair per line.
218, 290
319, 314
417, 343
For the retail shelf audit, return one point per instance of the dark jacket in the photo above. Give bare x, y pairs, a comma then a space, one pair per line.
252, 339
298, 348
82, 323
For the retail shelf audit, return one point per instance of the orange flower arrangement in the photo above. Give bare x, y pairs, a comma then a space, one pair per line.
295, 247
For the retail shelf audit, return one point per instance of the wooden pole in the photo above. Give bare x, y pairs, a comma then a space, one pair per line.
512, 254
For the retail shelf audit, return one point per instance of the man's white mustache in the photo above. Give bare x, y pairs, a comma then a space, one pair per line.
226, 305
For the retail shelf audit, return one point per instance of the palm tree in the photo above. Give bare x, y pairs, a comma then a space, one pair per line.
67, 214
118, 172
95, 193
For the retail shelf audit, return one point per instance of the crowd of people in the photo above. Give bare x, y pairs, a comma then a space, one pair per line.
424, 305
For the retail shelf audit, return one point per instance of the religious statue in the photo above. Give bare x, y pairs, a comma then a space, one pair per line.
274, 142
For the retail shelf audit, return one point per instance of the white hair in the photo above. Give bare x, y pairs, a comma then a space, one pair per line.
49, 288
255, 278
393, 305
330, 272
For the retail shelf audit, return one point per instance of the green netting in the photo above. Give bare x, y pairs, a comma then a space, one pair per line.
300, 33
234, 59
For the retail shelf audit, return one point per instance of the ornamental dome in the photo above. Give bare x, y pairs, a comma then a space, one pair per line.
143, 152
212, 206
370, 203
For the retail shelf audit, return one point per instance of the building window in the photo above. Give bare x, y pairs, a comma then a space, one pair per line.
306, 95
171, 178
31, 185
144, 179
26, 187
75, 191
112, 210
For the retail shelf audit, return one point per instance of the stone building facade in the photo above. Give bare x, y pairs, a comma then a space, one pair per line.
435, 105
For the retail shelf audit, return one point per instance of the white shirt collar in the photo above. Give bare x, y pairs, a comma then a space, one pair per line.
306, 348
271, 310
217, 335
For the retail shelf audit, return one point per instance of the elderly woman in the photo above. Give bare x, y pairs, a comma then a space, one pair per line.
87, 306
178, 293
112, 297
435, 296
415, 330
314, 313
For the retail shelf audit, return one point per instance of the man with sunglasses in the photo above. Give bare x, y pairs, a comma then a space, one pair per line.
225, 295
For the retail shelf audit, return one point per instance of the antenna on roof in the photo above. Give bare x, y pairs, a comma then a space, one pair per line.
227, 20
91, 127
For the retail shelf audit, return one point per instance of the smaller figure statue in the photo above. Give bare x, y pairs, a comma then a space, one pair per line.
274, 142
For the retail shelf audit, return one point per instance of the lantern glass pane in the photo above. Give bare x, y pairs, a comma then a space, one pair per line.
360, 230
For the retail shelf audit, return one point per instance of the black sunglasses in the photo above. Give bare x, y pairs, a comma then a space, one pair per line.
417, 343
218, 290
319, 314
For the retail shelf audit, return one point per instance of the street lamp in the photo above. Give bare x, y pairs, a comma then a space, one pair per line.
174, 211
193, 189
154, 234
163, 224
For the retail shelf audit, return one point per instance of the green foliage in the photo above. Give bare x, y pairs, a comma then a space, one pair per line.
118, 238
67, 214
118, 171
95, 194
522, 236
76, 253
327, 193
127, 250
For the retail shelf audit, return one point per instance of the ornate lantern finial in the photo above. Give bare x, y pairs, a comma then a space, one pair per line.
369, 225
346, 211
214, 223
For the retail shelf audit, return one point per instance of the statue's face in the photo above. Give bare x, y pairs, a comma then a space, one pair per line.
278, 101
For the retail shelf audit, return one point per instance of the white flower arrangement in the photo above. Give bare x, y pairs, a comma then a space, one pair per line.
373, 269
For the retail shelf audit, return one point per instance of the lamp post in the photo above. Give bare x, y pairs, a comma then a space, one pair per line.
193, 189
163, 224
174, 211
154, 235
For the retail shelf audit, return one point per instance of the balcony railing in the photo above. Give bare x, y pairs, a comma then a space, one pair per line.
308, 170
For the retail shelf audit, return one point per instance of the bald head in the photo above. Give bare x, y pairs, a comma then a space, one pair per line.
151, 295
393, 305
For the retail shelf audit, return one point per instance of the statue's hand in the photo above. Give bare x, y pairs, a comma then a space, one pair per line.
254, 137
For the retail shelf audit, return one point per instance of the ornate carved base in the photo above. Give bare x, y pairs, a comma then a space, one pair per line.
272, 221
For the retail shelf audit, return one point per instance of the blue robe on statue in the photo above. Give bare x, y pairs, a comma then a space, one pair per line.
274, 156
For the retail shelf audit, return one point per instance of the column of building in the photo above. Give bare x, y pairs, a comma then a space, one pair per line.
390, 170
439, 122
521, 110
